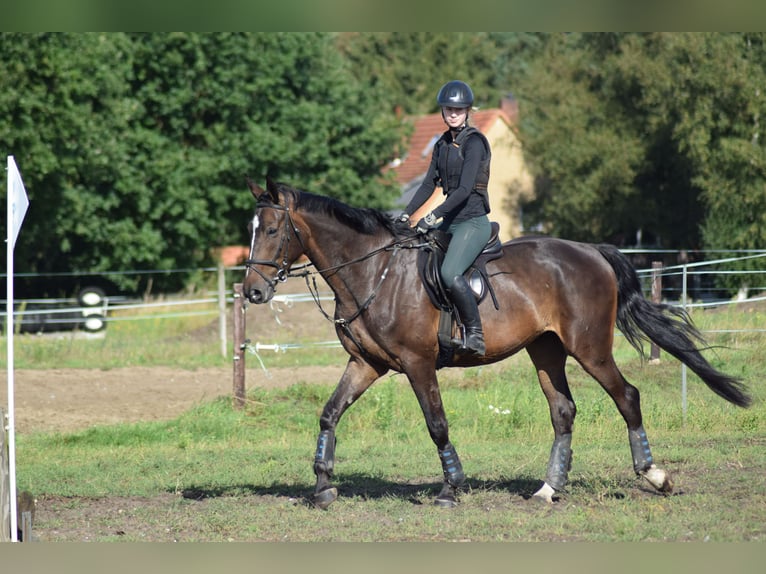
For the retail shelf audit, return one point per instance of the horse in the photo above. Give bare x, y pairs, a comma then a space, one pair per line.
554, 298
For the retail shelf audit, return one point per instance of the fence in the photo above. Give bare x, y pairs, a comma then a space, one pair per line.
92, 314
652, 278
5, 489
680, 284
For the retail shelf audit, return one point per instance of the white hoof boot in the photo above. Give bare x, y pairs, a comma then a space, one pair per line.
659, 479
546, 492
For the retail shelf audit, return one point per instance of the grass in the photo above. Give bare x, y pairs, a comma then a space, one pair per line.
220, 474
217, 474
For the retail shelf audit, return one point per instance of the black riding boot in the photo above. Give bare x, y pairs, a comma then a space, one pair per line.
465, 302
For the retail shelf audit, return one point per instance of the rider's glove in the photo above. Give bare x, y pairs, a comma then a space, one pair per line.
402, 221
427, 223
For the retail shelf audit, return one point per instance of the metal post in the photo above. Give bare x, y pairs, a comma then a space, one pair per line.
654, 356
683, 366
222, 307
239, 347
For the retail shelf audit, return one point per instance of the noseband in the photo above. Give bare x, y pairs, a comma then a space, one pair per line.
282, 266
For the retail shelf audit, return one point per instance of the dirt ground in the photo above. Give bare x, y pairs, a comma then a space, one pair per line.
75, 399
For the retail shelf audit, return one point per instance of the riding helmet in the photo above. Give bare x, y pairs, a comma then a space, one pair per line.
455, 94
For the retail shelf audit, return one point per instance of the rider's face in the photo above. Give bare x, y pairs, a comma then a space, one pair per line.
454, 117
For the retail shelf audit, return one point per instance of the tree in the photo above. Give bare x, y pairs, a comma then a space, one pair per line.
652, 132
584, 148
66, 111
135, 148
406, 69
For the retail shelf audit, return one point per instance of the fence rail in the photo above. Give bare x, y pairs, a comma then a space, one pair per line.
59, 310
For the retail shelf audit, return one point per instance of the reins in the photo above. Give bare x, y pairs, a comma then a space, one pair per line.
394, 246
284, 271
343, 323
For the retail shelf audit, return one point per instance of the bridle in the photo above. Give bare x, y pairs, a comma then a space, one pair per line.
282, 266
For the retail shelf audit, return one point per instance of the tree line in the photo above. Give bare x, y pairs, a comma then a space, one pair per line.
134, 148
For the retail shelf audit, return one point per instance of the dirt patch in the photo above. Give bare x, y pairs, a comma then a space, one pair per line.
65, 400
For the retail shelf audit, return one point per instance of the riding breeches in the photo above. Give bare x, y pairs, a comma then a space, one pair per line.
468, 240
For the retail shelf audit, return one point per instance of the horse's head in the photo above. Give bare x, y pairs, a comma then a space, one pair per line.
275, 242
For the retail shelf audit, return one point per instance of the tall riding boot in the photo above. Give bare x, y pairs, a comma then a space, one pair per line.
465, 302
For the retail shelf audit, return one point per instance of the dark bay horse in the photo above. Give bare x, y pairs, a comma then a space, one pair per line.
556, 299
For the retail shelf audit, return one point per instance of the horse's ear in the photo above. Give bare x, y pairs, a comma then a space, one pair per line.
273, 189
255, 189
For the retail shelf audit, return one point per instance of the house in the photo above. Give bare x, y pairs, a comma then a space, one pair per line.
232, 255
509, 182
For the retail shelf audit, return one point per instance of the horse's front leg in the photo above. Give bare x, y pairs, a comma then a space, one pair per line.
425, 384
356, 379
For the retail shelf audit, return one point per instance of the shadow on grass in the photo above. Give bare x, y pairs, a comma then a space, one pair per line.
364, 487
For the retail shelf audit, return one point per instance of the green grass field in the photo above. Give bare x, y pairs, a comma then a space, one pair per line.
217, 474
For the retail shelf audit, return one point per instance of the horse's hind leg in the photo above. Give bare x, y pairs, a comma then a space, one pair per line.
628, 401
549, 357
356, 379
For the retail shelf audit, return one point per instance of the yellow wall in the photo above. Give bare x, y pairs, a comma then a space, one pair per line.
509, 179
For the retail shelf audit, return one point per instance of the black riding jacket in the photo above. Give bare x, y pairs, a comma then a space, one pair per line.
461, 168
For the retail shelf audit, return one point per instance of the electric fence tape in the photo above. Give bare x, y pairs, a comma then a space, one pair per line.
288, 300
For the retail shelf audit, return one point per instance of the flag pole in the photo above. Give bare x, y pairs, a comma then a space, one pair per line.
9, 327
17, 208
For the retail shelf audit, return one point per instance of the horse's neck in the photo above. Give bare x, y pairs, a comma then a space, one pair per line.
340, 258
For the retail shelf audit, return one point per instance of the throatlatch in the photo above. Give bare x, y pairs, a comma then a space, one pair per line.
560, 462
324, 460
453, 469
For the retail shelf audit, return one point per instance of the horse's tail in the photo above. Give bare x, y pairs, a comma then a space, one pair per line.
669, 327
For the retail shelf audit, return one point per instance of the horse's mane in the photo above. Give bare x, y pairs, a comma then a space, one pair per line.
362, 219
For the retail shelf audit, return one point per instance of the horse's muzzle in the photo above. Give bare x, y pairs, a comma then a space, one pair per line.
258, 296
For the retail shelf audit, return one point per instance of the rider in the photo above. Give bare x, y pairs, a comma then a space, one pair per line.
460, 165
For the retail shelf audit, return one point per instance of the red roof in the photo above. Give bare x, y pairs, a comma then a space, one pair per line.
426, 131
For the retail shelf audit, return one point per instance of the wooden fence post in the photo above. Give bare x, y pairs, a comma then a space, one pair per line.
239, 347
654, 356
5, 486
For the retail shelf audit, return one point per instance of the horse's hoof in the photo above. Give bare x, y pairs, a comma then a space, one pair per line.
659, 479
546, 493
445, 502
325, 498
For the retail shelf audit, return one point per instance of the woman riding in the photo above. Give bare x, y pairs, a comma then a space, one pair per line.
460, 166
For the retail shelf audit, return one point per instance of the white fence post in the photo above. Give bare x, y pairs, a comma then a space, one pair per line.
5, 488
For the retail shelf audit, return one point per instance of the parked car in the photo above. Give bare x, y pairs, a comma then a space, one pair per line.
86, 312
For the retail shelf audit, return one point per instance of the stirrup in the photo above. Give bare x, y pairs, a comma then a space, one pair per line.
479, 347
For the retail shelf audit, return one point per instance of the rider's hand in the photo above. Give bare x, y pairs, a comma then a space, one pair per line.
427, 223
402, 221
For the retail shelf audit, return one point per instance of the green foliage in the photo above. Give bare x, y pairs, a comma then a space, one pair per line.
134, 148
650, 132
404, 70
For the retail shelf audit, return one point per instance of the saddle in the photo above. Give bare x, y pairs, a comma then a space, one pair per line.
429, 262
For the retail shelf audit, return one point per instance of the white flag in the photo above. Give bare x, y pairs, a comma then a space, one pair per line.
17, 201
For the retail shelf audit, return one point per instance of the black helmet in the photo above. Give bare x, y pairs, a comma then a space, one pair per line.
455, 94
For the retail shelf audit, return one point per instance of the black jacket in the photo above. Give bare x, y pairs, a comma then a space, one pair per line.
461, 168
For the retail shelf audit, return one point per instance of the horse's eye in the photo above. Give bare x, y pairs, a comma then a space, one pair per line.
271, 231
